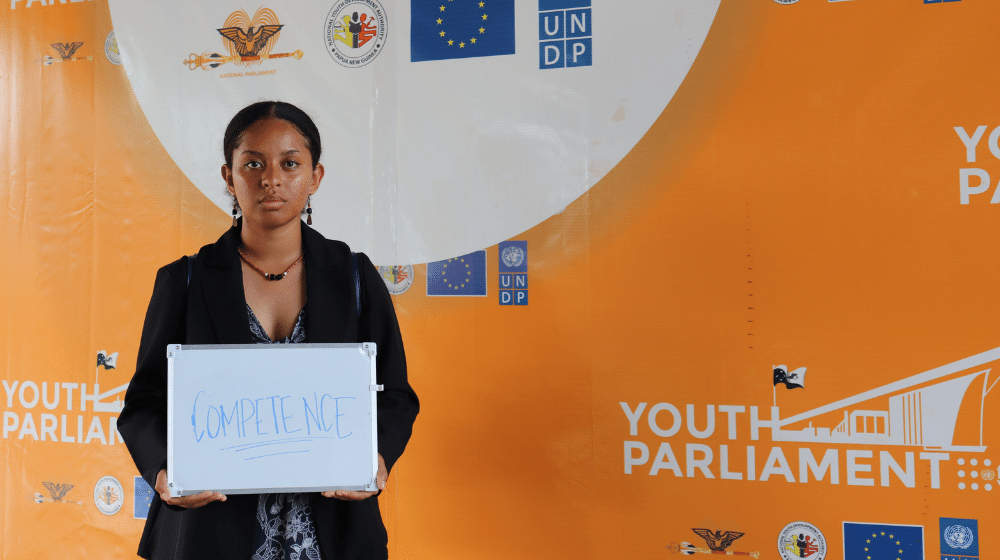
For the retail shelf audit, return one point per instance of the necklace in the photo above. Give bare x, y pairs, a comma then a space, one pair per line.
267, 275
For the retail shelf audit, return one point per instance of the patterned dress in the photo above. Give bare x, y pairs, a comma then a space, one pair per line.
285, 528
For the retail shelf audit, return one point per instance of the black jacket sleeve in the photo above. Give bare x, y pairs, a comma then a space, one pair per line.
143, 420
397, 402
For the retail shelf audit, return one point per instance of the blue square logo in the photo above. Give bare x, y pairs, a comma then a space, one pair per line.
520, 297
959, 539
565, 28
882, 540
506, 297
550, 54
513, 256
551, 25
450, 30
578, 53
578, 23
142, 497
460, 276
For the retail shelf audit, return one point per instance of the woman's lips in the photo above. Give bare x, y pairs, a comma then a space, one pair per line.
272, 203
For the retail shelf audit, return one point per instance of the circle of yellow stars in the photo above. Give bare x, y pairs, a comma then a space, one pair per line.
468, 273
883, 534
461, 44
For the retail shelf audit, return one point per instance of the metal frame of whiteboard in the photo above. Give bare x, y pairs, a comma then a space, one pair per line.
185, 483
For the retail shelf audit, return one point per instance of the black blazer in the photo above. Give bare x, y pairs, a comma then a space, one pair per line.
212, 310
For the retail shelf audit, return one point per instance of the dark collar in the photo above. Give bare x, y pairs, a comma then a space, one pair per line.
329, 288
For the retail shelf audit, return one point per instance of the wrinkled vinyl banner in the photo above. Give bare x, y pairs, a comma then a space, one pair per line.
675, 277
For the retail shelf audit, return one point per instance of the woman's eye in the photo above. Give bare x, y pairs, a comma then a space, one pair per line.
291, 164
253, 164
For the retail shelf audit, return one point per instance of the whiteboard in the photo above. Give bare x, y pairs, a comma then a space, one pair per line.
255, 418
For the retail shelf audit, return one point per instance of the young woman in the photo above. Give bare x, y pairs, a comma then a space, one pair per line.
269, 279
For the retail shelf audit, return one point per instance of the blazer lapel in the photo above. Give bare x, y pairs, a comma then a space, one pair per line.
223, 291
329, 290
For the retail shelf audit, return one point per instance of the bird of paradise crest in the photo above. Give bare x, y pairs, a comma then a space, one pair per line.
248, 40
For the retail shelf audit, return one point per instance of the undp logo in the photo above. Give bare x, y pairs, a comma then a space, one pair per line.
564, 33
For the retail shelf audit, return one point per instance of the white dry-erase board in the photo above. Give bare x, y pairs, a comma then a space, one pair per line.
247, 419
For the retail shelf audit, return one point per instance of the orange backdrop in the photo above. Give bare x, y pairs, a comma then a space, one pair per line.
797, 203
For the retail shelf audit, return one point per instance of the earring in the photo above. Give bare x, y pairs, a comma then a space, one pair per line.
309, 211
236, 207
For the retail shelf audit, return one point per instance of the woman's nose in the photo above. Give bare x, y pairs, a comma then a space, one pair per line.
269, 177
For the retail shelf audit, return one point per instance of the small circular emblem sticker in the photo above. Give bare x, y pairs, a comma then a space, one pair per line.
801, 540
109, 495
354, 32
397, 279
111, 49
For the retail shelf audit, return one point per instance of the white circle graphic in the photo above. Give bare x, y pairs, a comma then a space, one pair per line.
109, 495
111, 49
397, 279
425, 159
800, 539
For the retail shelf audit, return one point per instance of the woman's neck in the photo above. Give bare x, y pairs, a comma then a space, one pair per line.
272, 246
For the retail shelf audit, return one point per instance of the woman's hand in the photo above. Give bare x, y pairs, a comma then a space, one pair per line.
195, 501
380, 478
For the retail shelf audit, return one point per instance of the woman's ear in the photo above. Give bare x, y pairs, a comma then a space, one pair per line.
227, 176
317, 177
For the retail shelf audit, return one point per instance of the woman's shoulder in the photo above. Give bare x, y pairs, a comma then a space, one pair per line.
176, 268
325, 249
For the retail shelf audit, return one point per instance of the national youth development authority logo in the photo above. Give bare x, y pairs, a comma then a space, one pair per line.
801, 540
111, 51
355, 32
249, 41
109, 495
959, 539
397, 279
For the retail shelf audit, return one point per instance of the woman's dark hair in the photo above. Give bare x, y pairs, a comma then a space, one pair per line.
250, 114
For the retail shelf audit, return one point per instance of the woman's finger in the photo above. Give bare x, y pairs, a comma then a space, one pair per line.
348, 495
196, 501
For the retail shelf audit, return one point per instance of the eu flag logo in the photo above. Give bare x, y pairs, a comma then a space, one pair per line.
875, 540
143, 496
460, 276
443, 29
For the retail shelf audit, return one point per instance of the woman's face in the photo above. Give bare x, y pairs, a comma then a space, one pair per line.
272, 174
